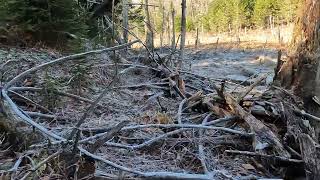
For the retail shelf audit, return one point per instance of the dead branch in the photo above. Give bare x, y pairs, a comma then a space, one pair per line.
202, 156
16, 114
245, 93
33, 169
76, 131
149, 85
63, 59
180, 110
108, 136
310, 154
162, 175
307, 115
31, 101
263, 134
176, 88
41, 115
183, 126
57, 92
277, 158
147, 143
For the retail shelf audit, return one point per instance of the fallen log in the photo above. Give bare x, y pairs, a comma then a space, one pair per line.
263, 134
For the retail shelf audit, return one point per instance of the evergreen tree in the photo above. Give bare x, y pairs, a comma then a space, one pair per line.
52, 22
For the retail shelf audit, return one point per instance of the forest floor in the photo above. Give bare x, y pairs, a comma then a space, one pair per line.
236, 63
142, 97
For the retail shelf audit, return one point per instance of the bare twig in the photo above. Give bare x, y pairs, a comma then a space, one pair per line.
240, 98
189, 126
180, 110
307, 115
37, 114
31, 101
108, 136
150, 85
277, 158
60, 60
202, 156
57, 92
41, 164
147, 143
162, 175
76, 131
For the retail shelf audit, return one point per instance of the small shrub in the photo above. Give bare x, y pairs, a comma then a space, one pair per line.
80, 76
48, 93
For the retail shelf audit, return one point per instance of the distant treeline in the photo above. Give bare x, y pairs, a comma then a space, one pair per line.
231, 15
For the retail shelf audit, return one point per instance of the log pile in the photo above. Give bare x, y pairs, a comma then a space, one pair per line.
210, 129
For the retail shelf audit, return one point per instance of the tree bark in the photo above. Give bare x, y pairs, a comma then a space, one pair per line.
125, 20
162, 23
173, 40
301, 73
183, 29
148, 27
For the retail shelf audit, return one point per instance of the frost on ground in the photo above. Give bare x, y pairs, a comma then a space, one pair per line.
141, 96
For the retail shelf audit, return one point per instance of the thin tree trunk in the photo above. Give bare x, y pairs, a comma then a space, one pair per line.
183, 30
173, 40
197, 39
125, 20
168, 29
148, 27
162, 23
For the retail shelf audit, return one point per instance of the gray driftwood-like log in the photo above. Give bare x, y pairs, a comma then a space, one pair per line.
311, 156
263, 134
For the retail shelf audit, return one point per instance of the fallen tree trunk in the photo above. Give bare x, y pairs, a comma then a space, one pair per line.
18, 133
263, 135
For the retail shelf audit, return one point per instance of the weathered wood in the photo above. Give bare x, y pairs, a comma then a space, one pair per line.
183, 30
263, 134
311, 155
19, 134
115, 130
302, 69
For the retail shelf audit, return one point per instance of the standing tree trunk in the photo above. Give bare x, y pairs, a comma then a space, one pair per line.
125, 20
173, 14
183, 30
301, 73
162, 23
148, 27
